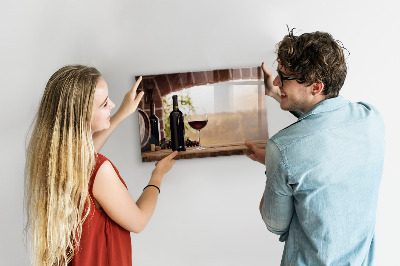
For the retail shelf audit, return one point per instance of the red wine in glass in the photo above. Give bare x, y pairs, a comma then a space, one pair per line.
198, 124
198, 119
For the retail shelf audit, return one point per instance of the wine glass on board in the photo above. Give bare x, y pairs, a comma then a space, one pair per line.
198, 119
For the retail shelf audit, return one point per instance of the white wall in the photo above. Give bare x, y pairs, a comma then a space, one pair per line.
208, 208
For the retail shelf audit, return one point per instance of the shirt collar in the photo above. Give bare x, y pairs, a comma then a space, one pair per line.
325, 106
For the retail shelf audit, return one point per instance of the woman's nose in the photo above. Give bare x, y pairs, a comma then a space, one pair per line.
112, 105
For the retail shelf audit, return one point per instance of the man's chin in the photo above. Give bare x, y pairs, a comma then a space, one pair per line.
285, 108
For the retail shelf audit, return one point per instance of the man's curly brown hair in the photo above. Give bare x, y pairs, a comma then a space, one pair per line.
314, 57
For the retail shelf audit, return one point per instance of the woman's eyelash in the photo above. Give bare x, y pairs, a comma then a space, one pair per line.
105, 104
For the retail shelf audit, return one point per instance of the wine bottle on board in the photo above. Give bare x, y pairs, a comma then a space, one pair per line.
154, 126
177, 127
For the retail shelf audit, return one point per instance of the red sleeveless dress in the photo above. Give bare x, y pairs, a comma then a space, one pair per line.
103, 241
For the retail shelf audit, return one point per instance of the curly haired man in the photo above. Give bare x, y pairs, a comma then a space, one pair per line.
323, 171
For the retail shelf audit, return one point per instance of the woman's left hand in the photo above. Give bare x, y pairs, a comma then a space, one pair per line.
131, 101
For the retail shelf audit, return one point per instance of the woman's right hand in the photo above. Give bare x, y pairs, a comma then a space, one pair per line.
131, 100
163, 166
270, 89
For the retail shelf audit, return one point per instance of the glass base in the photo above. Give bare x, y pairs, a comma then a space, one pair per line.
200, 148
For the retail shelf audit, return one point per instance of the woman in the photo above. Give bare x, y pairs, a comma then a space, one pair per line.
78, 207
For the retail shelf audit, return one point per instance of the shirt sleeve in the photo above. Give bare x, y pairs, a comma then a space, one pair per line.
277, 209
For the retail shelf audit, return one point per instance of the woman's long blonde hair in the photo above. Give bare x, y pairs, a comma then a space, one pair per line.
59, 161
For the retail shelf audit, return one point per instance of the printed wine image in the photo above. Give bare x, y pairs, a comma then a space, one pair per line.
231, 108
198, 119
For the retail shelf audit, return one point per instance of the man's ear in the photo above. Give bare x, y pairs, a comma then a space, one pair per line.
317, 88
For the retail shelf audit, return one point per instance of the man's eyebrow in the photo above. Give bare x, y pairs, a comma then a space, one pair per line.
283, 74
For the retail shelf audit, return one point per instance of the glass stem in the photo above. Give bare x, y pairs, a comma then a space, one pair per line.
199, 140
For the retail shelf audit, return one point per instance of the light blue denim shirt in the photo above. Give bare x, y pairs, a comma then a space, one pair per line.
323, 175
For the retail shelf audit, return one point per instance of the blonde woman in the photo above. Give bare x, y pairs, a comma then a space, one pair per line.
78, 207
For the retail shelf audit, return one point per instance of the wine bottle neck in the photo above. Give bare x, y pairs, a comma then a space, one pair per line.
175, 102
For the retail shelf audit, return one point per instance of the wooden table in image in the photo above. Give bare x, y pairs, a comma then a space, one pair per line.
211, 151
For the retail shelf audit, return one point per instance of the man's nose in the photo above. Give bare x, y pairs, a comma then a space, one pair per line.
277, 81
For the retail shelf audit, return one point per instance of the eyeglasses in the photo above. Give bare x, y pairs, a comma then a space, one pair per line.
282, 78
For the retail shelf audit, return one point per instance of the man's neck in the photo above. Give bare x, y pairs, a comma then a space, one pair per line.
316, 100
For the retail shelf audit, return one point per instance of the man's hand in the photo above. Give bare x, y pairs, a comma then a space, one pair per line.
259, 154
270, 89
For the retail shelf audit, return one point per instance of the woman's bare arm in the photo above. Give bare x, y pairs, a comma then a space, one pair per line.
128, 107
119, 205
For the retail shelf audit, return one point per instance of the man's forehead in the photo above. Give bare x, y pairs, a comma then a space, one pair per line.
283, 70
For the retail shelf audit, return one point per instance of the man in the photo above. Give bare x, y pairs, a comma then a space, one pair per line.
323, 171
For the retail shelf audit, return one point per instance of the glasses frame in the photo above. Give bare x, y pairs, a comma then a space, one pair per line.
282, 78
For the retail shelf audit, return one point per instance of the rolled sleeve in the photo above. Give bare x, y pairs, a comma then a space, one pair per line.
277, 208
